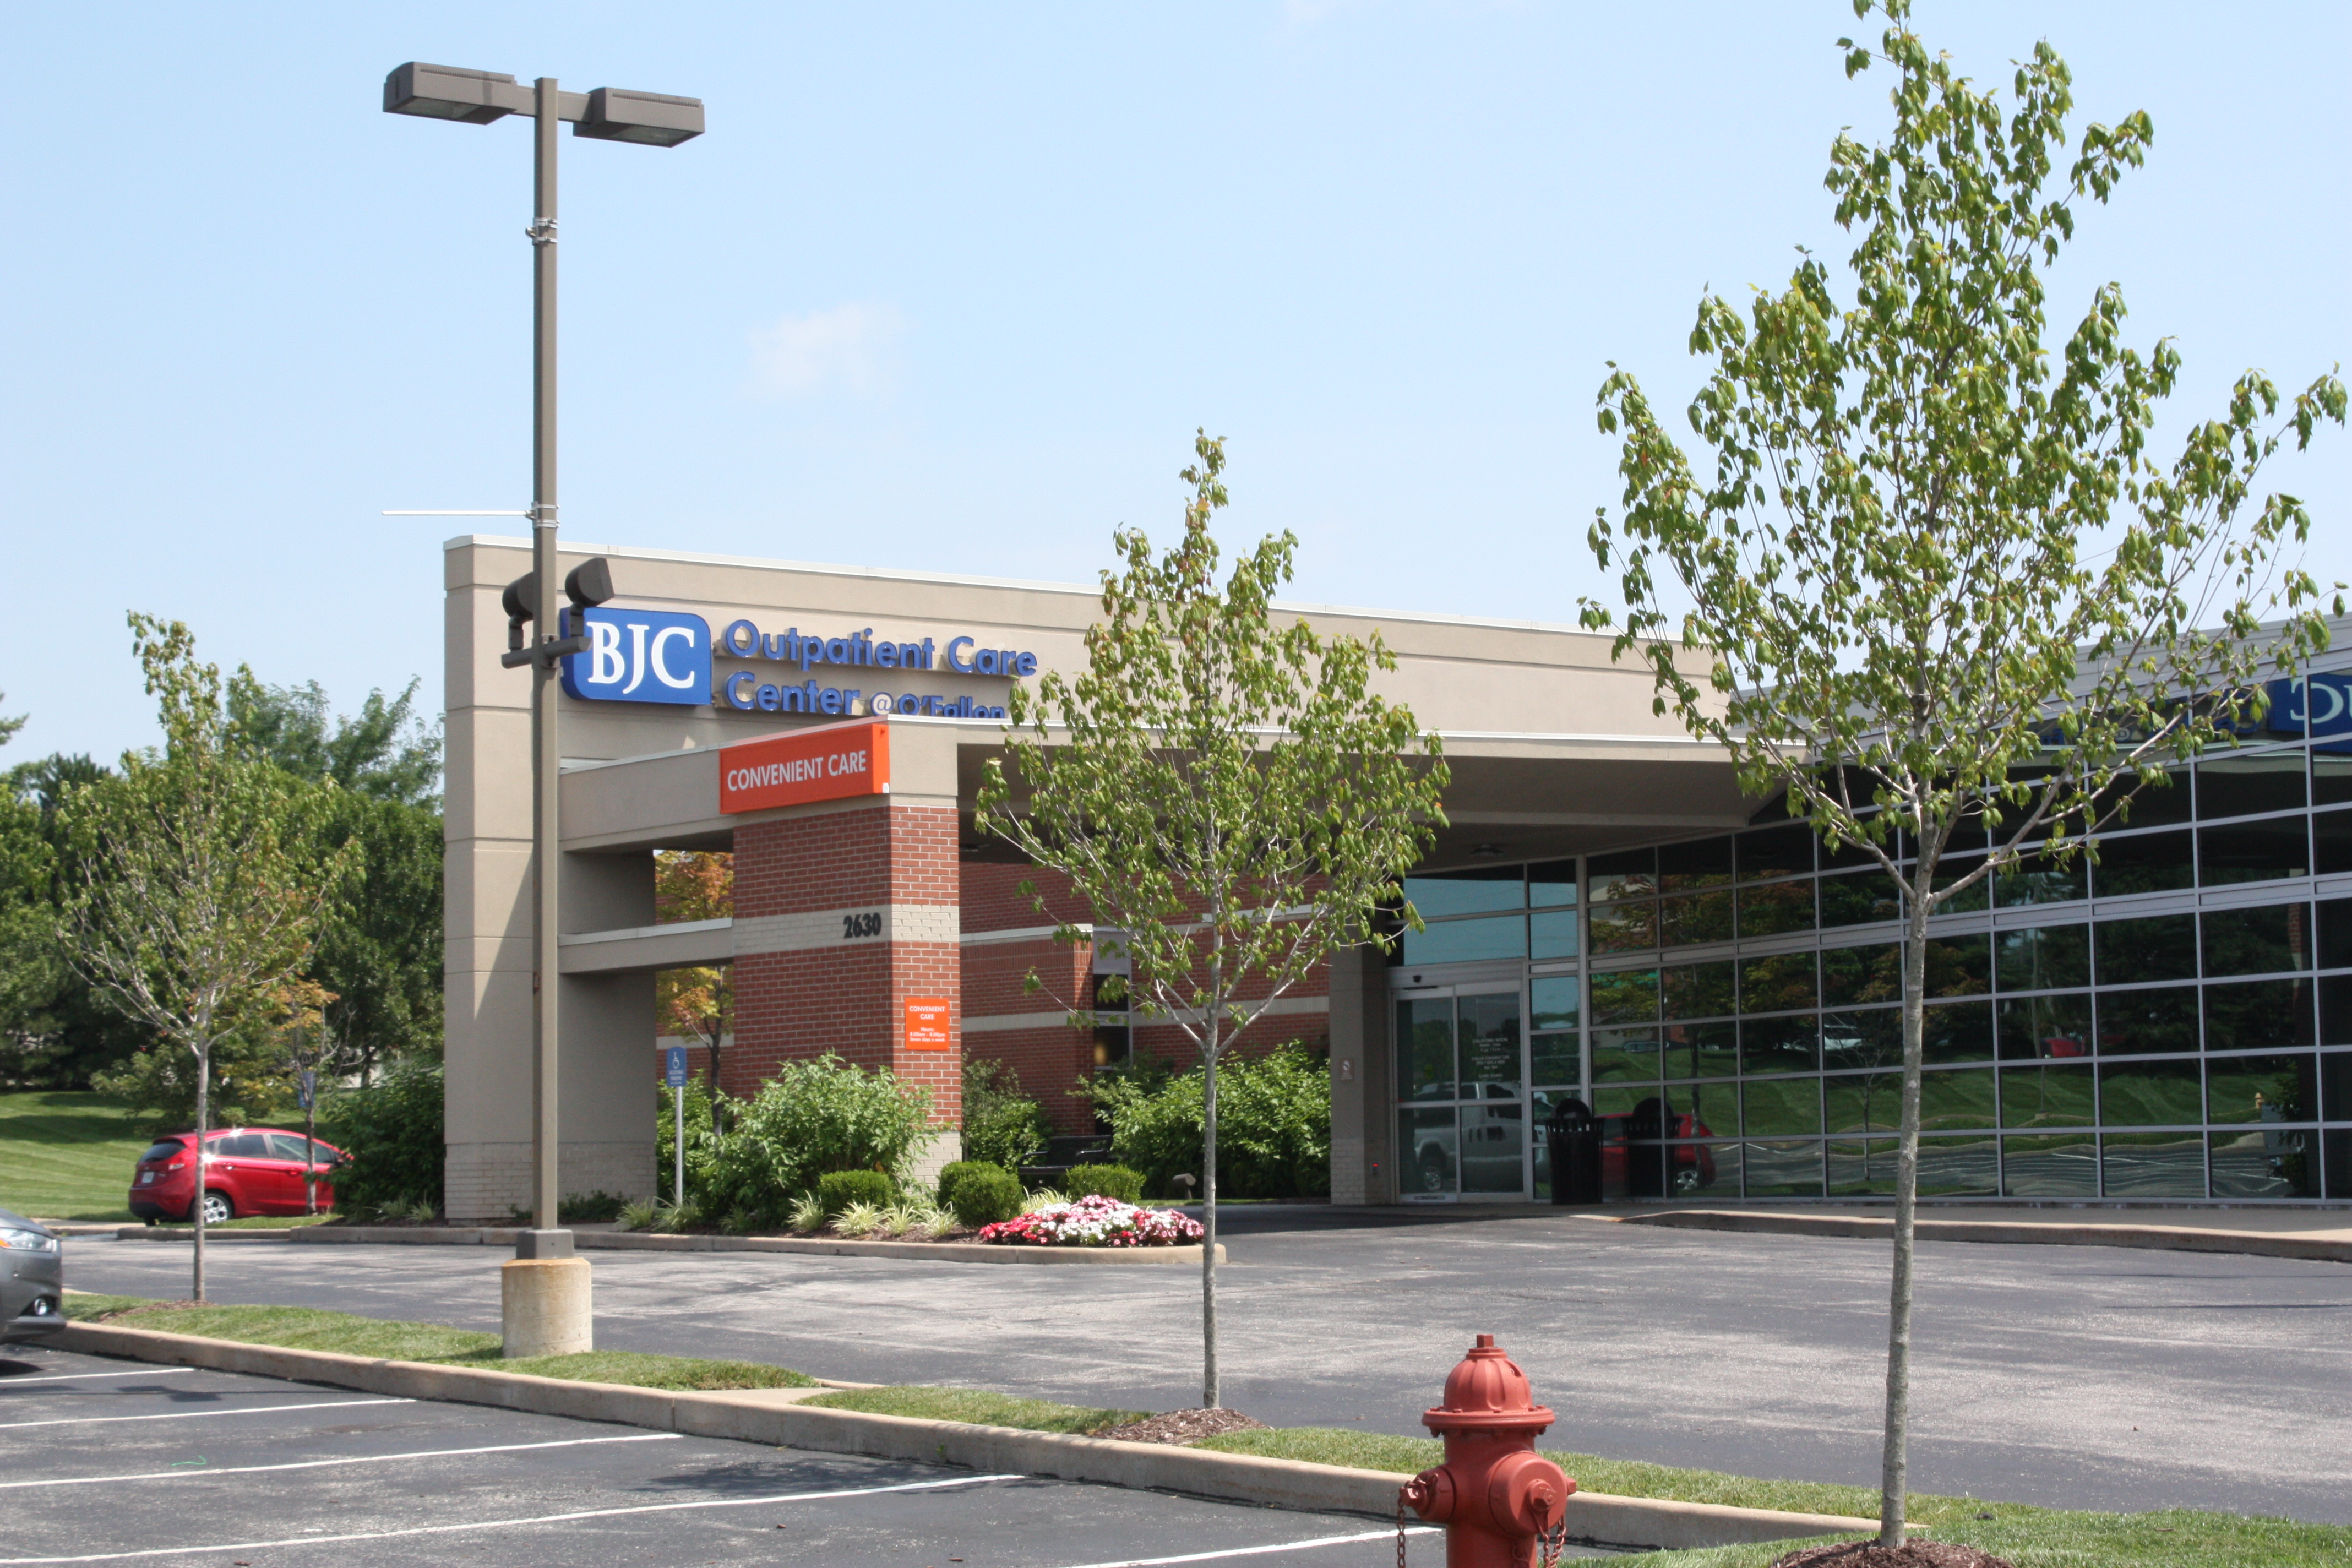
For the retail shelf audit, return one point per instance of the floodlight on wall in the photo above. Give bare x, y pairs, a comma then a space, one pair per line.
590, 584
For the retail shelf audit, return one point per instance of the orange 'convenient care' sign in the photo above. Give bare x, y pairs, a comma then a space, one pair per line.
834, 763
927, 1023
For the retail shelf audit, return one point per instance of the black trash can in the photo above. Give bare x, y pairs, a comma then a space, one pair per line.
1575, 1154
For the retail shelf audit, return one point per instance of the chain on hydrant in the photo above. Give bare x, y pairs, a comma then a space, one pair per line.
1496, 1495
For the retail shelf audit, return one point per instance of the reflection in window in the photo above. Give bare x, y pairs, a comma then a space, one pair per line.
2331, 842
2046, 1027
2272, 1163
2132, 952
1624, 928
2253, 851
1461, 942
2148, 863
2335, 934
1949, 1102
1558, 1058
2152, 1094
2045, 958
2241, 786
2056, 1096
1864, 897
2153, 1164
1426, 1048
2270, 941
1958, 1167
1958, 1032
1625, 997
2336, 1086
1782, 1170
1552, 1001
2254, 1015
2261, 1088
2043, 878
1426, 1144
1777, 983
1701, 1050
1785, 1108
1489, 1031
1780, 1044
1693, 918
1852, 976
2153, 804
1704, 863
1625, 1055
1700, 990
1870, 1039
2147, 1023
1864, 1102
1861, 1167
1768, 852
1959, 965
2063, 1165
1774, 909
1551, 884
1473, 892
1628, 874
1552, 935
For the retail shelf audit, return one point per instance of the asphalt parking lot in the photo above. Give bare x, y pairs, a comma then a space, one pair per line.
2074, 1376
109, 1461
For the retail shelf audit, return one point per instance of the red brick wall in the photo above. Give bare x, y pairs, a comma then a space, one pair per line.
851, 1000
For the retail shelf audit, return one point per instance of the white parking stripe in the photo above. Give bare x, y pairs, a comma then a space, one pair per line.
511, 1523
353, 1459
191, 1415
9, 1383
1263, 1551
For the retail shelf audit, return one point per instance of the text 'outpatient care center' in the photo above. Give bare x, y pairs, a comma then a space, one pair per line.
1608, 918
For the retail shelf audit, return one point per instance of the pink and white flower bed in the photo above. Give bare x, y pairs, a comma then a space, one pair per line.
1095, 1222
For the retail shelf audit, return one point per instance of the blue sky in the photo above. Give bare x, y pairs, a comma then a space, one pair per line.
949, 287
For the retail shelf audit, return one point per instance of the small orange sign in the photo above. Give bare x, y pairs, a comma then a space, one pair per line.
834, 762
927, 1023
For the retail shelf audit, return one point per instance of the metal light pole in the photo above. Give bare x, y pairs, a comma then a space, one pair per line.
546, 1311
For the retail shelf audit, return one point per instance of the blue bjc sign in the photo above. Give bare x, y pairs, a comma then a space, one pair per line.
639, 656
2323, 700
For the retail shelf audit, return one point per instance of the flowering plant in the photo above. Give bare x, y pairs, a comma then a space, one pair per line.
1094, 1222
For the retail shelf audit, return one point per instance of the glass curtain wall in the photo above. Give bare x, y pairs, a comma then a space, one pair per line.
2172, 1022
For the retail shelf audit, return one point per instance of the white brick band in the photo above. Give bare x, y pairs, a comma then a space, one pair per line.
858, 926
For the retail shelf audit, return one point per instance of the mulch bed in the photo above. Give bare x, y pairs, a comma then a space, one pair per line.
1910, 1554
1180, 1426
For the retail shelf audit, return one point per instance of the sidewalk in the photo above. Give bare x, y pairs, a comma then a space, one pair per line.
2321, 1234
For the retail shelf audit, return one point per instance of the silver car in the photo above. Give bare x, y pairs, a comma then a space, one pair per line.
32, 1278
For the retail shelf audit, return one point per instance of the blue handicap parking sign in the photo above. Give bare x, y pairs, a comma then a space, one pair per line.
676, 1064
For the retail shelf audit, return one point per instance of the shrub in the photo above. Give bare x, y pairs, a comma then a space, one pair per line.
979, 1192
701, 1149
812, 1118
390, 1133
1121, 1182
1001, 1126
1273, 1125
836, 1190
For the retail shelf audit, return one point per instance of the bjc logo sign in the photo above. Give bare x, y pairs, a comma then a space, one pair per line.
641, 655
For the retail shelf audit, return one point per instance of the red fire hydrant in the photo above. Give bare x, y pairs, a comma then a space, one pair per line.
1494, 1494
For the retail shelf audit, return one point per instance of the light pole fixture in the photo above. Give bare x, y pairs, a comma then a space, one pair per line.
607, 114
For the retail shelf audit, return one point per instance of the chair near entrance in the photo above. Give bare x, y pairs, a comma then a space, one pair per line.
247, 1171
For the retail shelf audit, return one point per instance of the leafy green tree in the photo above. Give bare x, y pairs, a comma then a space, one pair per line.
390, 1135
210, 887
1222, 786
1274, 1124
1001, 1126
386, 752
1935, 582
27, 918
813, 1117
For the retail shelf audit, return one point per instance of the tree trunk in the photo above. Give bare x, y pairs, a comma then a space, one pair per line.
1208, 1390
197, 1204
1896, 1475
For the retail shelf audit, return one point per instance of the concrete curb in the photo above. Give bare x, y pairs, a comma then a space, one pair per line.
774, 1417
646, 1241
2176, 1238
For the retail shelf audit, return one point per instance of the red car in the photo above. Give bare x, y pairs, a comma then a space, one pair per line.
248, 1170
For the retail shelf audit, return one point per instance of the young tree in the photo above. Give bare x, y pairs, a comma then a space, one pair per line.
1935, 578
698, 1003
1223, 787
210, 881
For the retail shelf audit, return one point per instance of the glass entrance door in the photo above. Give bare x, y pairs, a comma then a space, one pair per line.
1462, 1119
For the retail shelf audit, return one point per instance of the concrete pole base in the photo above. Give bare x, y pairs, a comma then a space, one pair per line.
545, 1307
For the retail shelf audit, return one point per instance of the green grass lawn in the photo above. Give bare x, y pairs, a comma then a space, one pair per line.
305, 1328
67, 1156
253, 1222
978, 1407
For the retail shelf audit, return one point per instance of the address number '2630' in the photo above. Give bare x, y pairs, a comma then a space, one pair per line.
856, 926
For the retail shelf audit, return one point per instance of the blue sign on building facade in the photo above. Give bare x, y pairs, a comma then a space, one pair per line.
640, 656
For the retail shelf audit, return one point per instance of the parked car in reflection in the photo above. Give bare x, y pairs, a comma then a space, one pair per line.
1639, 1158
32, 1278
248, 1170
1476, 1149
